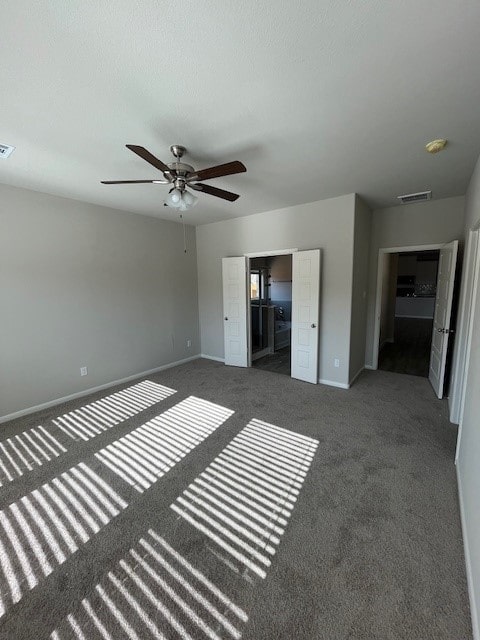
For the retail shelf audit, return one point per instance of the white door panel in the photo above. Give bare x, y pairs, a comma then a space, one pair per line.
234, 271
305, 314
443, 310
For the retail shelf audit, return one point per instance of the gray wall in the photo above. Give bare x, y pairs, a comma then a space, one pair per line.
433, 222
327, 225
361, 248
469, 448
86, 285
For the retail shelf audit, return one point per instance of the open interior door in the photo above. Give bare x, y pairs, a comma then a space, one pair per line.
442, 316
234, 271
305, 314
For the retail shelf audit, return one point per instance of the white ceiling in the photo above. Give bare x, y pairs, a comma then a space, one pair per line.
318, 98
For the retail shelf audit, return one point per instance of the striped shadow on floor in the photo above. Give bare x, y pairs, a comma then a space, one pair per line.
148, 452
242, 503
94, 418
244, 498
42, 529
26, 451
154, 592
30, 449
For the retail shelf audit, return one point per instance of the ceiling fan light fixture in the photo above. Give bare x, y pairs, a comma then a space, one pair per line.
189, 199
174, 198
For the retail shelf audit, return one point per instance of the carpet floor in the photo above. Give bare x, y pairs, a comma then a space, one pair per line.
214, 502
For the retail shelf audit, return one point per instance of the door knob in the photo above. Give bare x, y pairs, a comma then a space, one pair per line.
439, 330
313, 325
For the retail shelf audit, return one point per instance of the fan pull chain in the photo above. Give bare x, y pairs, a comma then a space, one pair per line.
184, 235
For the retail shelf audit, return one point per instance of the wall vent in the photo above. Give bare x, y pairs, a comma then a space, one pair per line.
415, 197
6, 150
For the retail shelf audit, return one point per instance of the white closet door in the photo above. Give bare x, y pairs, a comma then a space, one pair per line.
234, 272
305, 314
443, 312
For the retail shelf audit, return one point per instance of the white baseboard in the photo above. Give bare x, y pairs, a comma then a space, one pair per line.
355, 376
86, 392
332, 383
370, 367
207, 357
468, 565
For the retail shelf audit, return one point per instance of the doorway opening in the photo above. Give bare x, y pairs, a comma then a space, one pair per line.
271, 312
409, 291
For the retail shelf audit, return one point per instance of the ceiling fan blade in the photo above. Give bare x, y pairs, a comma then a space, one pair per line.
220, 170
213, 191
133, 181
148, 157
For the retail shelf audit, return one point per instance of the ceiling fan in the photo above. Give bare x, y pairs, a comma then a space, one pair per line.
180, 176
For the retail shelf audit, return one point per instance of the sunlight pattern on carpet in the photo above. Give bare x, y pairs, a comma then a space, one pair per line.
42, 529
148, 452
244, 498
94, 418
26, 451
154, 592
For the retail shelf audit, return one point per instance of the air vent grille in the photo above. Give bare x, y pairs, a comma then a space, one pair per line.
415, 197
6, 150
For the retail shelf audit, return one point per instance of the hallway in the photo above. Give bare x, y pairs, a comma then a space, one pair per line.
410, 353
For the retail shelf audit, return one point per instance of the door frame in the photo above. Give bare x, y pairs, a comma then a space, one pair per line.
472, 294
259, 254
378, 297
471, 261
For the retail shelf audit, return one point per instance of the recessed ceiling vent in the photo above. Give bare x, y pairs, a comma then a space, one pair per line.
6, 150
415, 197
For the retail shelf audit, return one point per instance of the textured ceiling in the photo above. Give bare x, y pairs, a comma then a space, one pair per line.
318, 99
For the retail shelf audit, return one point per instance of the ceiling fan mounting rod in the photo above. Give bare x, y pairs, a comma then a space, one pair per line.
178, 150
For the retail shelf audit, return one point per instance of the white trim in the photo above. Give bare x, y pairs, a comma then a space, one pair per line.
355, 376
378, 296
468, 346
332, 383
420, 247
370, 367
275, 252
465, 318
215, 358
86, 392
468, 564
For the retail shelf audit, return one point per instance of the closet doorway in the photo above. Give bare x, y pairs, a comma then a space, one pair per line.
303, 331
271, 312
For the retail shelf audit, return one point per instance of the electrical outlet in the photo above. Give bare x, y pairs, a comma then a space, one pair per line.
189, 343
83, 371
336, 362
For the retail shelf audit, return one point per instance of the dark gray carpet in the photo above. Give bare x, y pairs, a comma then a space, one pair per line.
371, 546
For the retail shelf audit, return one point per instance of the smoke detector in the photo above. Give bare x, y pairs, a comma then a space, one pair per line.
436, 145
421, 196
6, 150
